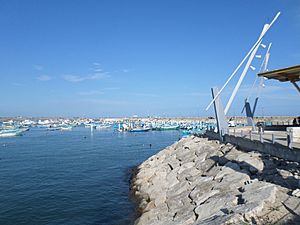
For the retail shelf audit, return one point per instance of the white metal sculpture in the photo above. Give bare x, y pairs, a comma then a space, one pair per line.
251, 53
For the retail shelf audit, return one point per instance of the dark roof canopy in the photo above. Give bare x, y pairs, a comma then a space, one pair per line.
291, 74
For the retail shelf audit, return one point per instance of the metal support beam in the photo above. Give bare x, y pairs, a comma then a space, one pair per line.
219, 113
296, 86
236, 88
249, 114
254, 106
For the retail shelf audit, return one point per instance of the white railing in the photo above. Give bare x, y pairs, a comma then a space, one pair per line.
283, 138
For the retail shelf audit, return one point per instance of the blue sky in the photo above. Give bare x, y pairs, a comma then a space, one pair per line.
120, 58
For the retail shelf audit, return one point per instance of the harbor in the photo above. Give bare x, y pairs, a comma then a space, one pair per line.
173, 186
150, 112
73, 177
194, 125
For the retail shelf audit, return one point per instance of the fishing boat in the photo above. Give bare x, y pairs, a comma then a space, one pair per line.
231, 123
123, 127
11, 132
24, 128
140, 129
102, 126
53, 128
168, 127
66, 128
186, 132
90, 125
193, 131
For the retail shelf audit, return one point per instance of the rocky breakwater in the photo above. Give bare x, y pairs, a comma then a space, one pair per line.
198, 181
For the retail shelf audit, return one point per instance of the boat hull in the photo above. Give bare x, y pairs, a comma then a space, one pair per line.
140, 130
169, 128
10, 133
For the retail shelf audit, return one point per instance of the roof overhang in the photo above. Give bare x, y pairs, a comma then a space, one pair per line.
291, 74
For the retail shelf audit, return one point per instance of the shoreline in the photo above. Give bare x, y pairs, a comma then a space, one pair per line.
132, 197
199, 181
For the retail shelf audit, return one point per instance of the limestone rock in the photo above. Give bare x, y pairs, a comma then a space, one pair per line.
256, 196
252, 162
205, 167
212, 207
197, 181
296, 193
177, 202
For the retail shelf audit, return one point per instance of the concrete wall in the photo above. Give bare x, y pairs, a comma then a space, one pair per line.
276, 149
295, 131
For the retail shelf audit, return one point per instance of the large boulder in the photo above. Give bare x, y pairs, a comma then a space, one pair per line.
251, 161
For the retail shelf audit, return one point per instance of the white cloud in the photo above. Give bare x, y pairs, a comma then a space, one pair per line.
44, 78
73, 78
17, 84
93, 92
76, 78
38, 67
98, 76
98, 70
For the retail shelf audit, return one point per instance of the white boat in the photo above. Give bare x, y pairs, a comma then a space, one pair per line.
140, 129
102, 126
231, 123
11, 132
53, 128
168, 127
90, 125
66, 128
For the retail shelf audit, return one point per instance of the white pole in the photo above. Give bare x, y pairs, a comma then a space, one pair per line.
266, 61
234, 72
245, 71
264, 69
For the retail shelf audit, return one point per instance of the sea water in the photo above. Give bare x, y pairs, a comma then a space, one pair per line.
73, 177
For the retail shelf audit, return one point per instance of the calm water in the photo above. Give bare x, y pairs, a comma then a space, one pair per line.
72, 177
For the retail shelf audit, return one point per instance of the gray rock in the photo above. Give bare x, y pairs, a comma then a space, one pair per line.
284, 173
212, 207
186, 155
179, 188
296, 193
185, 215
188, 174
177, 202
206, 166
252, 162
196, 181
257, 195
